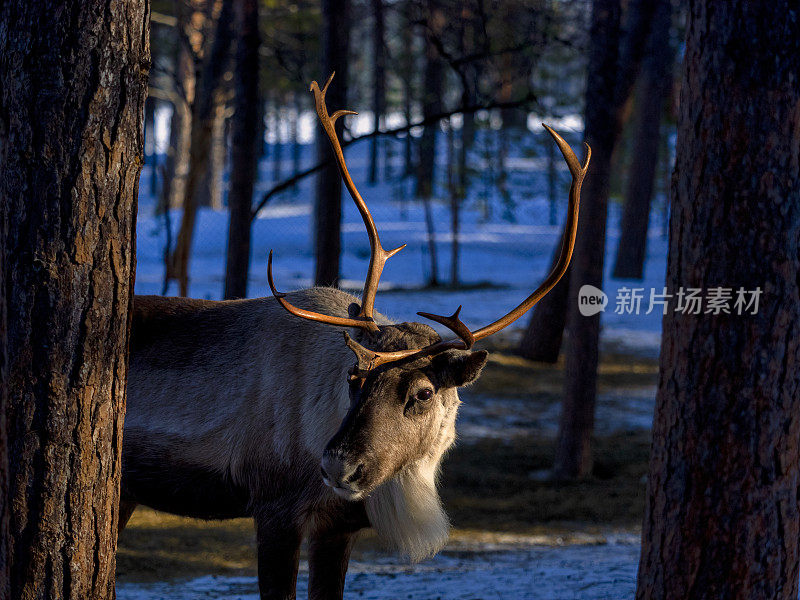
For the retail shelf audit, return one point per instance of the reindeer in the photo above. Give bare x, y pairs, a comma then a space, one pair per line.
256, 408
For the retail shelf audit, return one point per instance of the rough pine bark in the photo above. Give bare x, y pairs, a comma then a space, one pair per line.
328, 204
244, 147
721, 518
74, 79
654, 88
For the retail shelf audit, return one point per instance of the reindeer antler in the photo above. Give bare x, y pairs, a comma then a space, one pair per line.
370, 359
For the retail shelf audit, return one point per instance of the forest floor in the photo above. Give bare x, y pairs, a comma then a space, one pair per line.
513, 527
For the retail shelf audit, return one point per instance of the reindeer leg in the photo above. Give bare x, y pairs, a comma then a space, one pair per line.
278, 557
328, 557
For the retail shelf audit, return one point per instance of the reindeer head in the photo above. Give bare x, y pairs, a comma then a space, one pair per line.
404, 381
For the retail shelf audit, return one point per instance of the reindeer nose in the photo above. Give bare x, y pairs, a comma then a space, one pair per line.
339, 472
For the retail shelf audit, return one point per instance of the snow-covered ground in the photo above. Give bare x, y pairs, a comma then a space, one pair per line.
574, 572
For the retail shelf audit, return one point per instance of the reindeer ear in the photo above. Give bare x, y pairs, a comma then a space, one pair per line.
460, 367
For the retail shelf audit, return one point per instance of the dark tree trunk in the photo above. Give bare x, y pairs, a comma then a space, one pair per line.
74, 85
545, 332
378, 86
244, 148
328, 206
546, 327
613, 64
5, 506
654, 88
721, 517
431, 105
208, 96
455, 204
277, 147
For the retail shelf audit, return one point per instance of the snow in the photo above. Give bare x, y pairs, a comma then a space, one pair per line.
512, 256
585, 572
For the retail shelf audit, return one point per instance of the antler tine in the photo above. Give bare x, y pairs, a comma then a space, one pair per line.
378, 255
578, 172
308, 314
454, 324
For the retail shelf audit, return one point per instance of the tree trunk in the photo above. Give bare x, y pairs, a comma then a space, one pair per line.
5, 505
211, 187
189, 45
549, 317
74, 85
573, 450
613, 64
208, 96
455, 204
721, 517
244, 148
431, 104
150, 156
545, 332
654, 88
378, 86
328, 206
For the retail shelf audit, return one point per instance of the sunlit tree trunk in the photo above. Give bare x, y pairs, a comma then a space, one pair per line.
208, 96
721, 518
74, 85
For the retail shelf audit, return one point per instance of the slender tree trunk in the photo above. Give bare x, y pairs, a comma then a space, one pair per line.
549, 317
74, 85
407, 75
545, 332
721, 517
602, 125
214, 65
189, 44
244, 149
150, 156
431, 105
277, 148
654, 88
378, 86
211, 187
455, 203
328, 207
5, 505
296, 147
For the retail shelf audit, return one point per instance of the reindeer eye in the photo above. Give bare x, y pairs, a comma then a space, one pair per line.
423, 395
